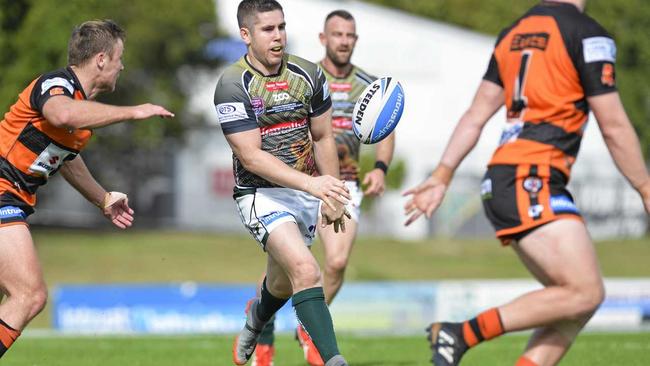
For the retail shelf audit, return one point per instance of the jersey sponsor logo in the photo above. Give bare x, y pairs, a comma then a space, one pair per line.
533, 184
56, 91
523, 41
364, 103
340, 87
563, 204
342, 123
228, 112
607, 76
281, 97
49, 160
282, 127
8, 212
276, 85
258, 106
61, 82
486, 189
599, 49
289, 107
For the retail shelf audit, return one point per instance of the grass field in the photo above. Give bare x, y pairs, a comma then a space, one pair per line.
106, 257
589, 350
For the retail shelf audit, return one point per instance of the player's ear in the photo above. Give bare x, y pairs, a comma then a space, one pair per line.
101, 59
245, 35
321, 37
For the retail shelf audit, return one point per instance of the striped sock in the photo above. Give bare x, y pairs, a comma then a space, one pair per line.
485, 326
524, 361
7, 337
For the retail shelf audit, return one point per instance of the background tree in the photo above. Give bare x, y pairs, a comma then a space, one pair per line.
627, 20
162, 37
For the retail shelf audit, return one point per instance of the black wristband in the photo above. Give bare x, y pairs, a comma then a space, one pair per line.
381, 166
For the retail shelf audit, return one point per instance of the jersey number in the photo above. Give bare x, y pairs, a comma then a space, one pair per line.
519, 100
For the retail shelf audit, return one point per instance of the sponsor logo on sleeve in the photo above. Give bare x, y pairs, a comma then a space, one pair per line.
53, 82
56, 91
229, 112
607, 76
599, 49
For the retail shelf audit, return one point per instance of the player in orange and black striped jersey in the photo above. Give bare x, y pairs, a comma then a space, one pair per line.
43, 133
550, 68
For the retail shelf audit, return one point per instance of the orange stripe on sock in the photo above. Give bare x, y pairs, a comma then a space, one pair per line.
523, 361
469, 336
8, 336
490, 324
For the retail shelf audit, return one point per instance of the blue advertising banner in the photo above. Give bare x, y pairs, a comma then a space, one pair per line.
371, 307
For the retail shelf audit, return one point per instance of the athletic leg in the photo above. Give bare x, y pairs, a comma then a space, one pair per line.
337, 248
21, 281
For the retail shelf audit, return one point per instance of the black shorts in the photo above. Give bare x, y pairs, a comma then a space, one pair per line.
520, 198
13, 210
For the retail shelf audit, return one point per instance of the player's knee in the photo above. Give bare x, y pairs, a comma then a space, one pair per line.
33, 299
588, 299
307, 274
336, 265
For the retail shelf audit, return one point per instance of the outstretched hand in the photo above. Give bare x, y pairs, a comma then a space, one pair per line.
116, 208
144, 111
425, 199
375, 182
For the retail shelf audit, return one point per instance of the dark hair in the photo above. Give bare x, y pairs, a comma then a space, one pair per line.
341, 14
91, 38
248, 8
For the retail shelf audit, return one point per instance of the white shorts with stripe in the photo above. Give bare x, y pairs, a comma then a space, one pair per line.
264, 209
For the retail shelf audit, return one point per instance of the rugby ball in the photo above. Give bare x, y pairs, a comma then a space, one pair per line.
378, 110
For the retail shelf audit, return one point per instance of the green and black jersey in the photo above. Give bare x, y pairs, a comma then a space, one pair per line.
279, 105
345, 92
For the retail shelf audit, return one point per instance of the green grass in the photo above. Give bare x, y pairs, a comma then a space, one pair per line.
167, 256
589, 350
104, 257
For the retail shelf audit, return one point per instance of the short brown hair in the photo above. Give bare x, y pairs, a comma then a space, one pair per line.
341, 14
248, 8
91, 38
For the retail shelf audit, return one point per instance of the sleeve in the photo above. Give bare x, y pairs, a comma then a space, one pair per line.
595, 60
234, 108
492, 73
48, 86
320, 101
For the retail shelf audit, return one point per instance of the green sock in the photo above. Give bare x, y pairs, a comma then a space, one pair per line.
313, 314
267, 337
269, 304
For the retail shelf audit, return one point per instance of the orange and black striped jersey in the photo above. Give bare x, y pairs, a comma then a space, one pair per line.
548, 62
32, 149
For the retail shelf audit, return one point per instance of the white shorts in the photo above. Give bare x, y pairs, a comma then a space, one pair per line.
354, 205
264, 209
